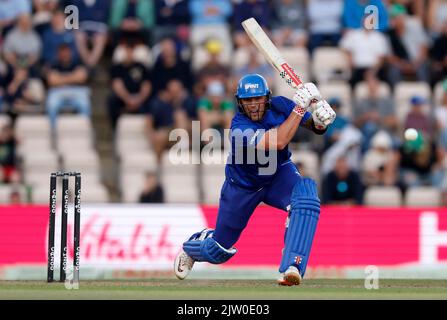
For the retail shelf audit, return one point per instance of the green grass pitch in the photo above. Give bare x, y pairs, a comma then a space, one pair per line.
171, 289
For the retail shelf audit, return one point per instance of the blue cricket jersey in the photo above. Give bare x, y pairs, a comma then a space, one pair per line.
244, 136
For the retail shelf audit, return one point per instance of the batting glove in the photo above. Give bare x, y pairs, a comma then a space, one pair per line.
323, 115
305, 94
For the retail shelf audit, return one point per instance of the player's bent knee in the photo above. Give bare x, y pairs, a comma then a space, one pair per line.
202, 247
303, 219
305, 196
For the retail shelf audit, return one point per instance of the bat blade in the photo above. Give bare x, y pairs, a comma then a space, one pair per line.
270, 52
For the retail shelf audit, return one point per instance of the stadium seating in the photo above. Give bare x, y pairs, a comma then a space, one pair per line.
241, 58
438, 93
131, 135
72, 144
383, 197
340, 90
133, 166
404, 91
71, 148
37, 145
33, 126
330, 64
309, 163
201, 57
179, 177
6, 190
212, 175
361, 90
299, 59
4, 120
91, 191
422, 197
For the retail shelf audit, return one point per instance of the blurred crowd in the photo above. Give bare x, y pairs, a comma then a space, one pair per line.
174, 61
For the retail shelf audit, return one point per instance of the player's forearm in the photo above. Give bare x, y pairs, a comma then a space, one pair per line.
279, 138
120, 90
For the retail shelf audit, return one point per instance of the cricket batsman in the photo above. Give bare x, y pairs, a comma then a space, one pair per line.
268, 124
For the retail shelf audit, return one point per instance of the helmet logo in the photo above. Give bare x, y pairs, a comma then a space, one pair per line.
251, 86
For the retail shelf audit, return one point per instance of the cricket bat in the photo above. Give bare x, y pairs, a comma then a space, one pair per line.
271, 52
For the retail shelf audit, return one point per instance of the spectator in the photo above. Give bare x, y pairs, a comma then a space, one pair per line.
22, 47
132, 20
348, 145
67, 85
440, 179
169, 16
10, 10
374, 112
15, 198
169, 66
213, 69
355, 11
418, 157
22, 92
161, 116
444, 196
289, 27
91, 37
183, 104
214, 110
438, 54
441, 110
418, 118
366, 50
409, 48
8, 160
342, 185
152, 191
258, 9
56, 35
415, 7
437, 16
325, 23
43, 12
333, 132
209, 19
140, 53
255, 64
380, 163
131, 86
3, 73
172, 107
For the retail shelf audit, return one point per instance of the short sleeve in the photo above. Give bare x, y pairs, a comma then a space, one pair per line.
115, 72
382, 45
346, 41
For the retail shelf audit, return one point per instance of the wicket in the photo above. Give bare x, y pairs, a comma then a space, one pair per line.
64, 218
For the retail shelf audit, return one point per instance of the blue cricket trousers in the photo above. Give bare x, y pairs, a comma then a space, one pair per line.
237, 204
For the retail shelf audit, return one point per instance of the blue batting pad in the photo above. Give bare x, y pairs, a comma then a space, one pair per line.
303, 221
202, 247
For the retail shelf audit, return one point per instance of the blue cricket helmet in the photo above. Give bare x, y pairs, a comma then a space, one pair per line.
252, 85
